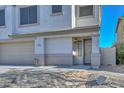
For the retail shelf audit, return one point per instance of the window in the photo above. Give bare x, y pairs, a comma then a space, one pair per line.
28, 15
85, 11
2, 17
78, 47
56, 9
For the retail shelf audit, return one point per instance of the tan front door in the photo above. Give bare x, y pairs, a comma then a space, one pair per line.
87, 52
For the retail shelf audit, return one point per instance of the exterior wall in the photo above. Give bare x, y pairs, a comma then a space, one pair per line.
48, 22
108, 56
58, 59
50, 50
89, 21
39, 51
58, 51
9, 23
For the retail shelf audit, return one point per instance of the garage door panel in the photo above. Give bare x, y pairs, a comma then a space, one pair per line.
17, 53
58, 51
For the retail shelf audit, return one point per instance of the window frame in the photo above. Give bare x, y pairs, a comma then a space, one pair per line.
89, 16
79, 48
32, 24
57, 13
3, 8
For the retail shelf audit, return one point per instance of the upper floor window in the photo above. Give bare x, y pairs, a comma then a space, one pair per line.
85, 11
28, 15
2, 17
56, 9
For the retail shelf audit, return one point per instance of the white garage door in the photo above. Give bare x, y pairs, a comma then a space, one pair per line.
58, 51
17, 53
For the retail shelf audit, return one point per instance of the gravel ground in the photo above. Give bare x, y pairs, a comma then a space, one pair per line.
39, 77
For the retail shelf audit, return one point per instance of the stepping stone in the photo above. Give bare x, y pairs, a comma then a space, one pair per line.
101, 80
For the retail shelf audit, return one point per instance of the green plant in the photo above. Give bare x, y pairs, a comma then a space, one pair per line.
120, 54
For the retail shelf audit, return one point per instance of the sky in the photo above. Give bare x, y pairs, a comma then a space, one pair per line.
110, 15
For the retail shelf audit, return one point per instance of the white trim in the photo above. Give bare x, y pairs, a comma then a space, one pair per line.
89, 34
16, 40
57, 14
73, 16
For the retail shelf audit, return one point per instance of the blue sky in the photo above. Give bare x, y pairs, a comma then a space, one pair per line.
110, 15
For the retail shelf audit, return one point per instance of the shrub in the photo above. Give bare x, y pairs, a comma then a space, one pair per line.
120, 54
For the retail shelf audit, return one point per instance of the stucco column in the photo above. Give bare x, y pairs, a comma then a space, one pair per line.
39, 51
95, 55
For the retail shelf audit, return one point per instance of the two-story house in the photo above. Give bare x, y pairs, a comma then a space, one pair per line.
50, 35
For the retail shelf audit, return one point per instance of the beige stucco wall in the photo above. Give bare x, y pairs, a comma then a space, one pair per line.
108, 56
120, 32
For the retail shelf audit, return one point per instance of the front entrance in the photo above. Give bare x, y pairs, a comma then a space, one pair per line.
78, 51
82, 51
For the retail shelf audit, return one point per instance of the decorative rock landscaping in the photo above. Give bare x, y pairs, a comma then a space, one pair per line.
42, 78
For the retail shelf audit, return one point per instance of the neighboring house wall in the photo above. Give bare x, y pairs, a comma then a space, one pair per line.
108, 56
120, 40
120, 32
